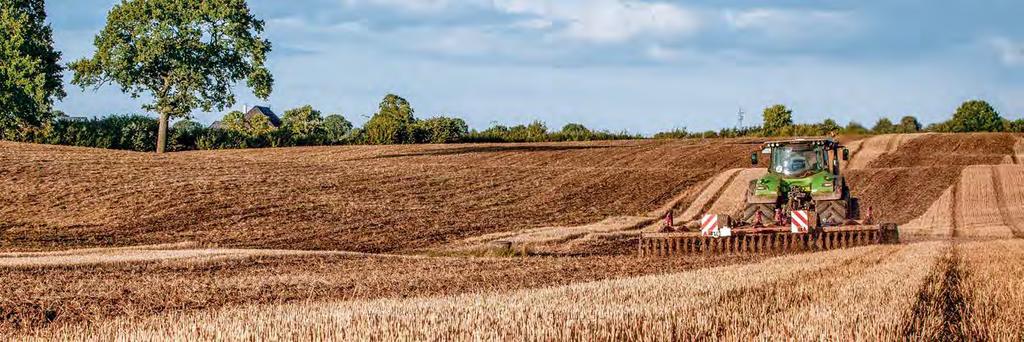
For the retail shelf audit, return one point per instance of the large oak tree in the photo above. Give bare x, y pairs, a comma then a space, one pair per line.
30, 76
186, 54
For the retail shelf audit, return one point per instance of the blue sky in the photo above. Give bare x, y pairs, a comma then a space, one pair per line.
641, 66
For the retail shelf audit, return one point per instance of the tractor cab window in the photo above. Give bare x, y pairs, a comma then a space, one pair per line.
797, 160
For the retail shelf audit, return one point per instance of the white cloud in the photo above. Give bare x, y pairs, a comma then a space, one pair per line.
1010, 52
791, 23
407, 5
607, 21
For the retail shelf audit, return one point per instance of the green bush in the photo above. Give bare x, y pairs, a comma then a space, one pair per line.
975, 116
336, 129
441, 130
393, 123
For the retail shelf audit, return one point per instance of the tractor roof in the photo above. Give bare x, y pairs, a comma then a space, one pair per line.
827, 142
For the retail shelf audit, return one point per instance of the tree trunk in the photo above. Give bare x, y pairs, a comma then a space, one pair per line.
161, 135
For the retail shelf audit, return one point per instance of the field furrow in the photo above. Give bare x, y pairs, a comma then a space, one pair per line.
707, 196
733, 196
978, 207
1009, 184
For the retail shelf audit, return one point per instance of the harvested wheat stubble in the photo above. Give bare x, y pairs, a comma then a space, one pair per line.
708, 195
95, 292
142, 254
978, 206
861, 293
1009, 183
358, 198
936, 222
993, 282
733, 196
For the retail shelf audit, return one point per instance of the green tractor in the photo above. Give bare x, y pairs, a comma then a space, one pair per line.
803, 174
802, 204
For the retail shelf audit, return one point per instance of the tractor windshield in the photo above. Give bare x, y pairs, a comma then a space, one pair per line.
796, 161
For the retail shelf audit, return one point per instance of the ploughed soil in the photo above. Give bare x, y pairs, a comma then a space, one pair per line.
355, 198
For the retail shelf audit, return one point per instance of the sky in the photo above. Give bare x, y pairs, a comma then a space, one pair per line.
634, 65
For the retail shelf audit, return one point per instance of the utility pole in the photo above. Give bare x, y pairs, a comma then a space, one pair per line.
739, 121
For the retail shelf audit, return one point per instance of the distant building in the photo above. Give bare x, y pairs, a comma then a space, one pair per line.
255, 110
265, 111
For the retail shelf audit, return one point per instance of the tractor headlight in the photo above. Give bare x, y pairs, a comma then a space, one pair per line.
761, 187
826, 184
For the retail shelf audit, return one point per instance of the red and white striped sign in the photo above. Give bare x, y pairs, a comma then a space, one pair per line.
708, 224
799, 221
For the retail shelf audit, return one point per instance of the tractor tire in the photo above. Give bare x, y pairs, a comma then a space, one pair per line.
767, 212
832, 213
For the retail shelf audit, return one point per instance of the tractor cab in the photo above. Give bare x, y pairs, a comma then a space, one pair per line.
801, 157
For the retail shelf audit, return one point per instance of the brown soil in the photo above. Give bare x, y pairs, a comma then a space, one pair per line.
371, 199
898, 195
950, 150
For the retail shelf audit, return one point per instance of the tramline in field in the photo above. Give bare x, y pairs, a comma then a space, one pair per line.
801, 204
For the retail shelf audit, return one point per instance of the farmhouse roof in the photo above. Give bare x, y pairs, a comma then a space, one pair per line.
265, 111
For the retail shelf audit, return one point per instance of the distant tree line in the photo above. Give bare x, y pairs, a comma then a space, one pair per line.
177, 54
971, 116
393, 123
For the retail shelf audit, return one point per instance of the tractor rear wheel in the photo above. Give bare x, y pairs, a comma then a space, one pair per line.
831, 213
767, 211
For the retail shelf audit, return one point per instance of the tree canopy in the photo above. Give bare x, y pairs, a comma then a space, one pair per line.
30, 76
393, 122
909, 124
336, 128
185, 54
776, 118
883, 126
975, 116
302, 121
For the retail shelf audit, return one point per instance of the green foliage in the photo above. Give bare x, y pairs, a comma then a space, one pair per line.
123, 132
537, 131
251, 127
185, 54
304, 125
908, 124
336, 129
1015, 126
975, 116
392, 124
776, 118
185, 135
855, 128
675, 133
883, 126
441, 130
30, 76
575, 132
829, 126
